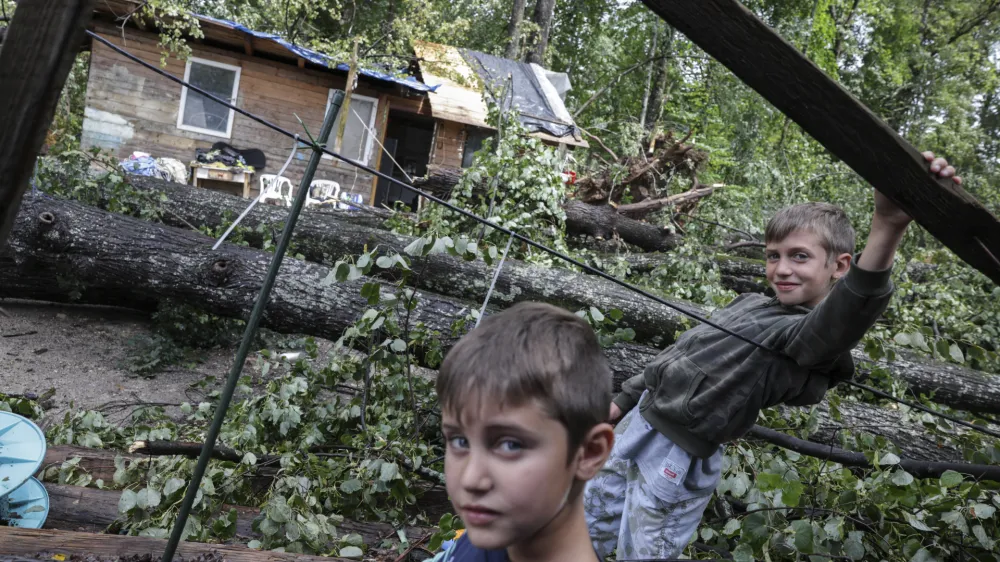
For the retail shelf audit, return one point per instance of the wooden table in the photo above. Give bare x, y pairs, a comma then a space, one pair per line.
239, 179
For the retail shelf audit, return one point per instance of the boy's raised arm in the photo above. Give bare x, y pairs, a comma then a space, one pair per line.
889, 222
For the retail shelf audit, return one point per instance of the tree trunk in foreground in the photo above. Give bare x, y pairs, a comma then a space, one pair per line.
120, 259
83, 546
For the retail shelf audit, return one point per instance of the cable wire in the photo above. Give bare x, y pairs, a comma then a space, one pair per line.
526, 240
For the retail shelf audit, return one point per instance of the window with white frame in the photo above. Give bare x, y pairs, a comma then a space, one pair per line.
358, 140
201, 114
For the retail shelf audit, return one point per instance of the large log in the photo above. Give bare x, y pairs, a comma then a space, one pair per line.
29, 542
125, 259
75, 508
324, 238
735, 37
604, 221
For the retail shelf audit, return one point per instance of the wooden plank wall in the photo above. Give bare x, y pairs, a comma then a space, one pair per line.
449, 143
130, 108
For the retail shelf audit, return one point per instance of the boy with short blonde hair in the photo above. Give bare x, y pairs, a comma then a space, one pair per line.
708, 388
524, 398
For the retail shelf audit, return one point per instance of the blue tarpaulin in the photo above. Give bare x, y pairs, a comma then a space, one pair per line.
316, 57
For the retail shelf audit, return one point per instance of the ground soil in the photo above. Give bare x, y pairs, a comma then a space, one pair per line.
80, 351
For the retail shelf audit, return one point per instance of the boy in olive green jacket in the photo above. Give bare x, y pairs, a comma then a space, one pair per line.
708, 388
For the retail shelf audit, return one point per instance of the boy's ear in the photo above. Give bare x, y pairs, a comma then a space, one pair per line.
594, 451
843, 265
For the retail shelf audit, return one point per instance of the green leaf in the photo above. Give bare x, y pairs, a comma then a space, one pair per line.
984, 539
915, 523
398, 345
942, 347
855, 549
127, 501
902, 338
803, 535
351, 552
249, 459
353, 273
596, 315
923, 555
707, 533
616, 314
983, 511
350, 486
416, 248
743, 553
902, 478
254, 544
278, 510
950, 479
768, 481
385, 262
364, 260
389, 471
918, 341
732, 526
791, 492
148, 498
353, 539
341, 270
889, 459
956, 353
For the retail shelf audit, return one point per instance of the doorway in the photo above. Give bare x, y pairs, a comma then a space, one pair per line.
408, 140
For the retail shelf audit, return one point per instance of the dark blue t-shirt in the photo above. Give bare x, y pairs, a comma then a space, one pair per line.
465, 551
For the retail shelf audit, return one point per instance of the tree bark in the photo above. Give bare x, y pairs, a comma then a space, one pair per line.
538, 42
323, 238
647, 206
74, 545
662, 81
649, 73
604, 221
514, 29
75, 508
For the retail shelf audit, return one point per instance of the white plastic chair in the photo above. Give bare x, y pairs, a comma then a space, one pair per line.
276, 188
321, 191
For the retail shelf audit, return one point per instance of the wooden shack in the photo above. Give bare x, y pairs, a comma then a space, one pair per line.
397, 125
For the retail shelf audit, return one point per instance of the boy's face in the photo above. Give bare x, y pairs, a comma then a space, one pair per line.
506, 471
799, 271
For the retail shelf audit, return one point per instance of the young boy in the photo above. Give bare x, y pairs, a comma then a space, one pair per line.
708, 388
524, 398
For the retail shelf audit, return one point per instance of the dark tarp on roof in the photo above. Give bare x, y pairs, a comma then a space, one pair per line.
321, 59
529, 97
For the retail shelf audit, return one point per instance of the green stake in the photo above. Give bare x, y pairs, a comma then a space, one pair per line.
251, 331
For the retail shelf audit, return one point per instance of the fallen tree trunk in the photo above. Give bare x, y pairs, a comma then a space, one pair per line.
919, 469
604, 221
80, 546
322, 238
120, 258
75, 508
340, 304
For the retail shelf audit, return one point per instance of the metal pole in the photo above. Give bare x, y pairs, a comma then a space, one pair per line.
250, 332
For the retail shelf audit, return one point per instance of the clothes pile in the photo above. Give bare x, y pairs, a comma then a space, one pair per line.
143, 164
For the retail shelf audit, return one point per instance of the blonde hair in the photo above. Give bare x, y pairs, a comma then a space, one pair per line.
827, 221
